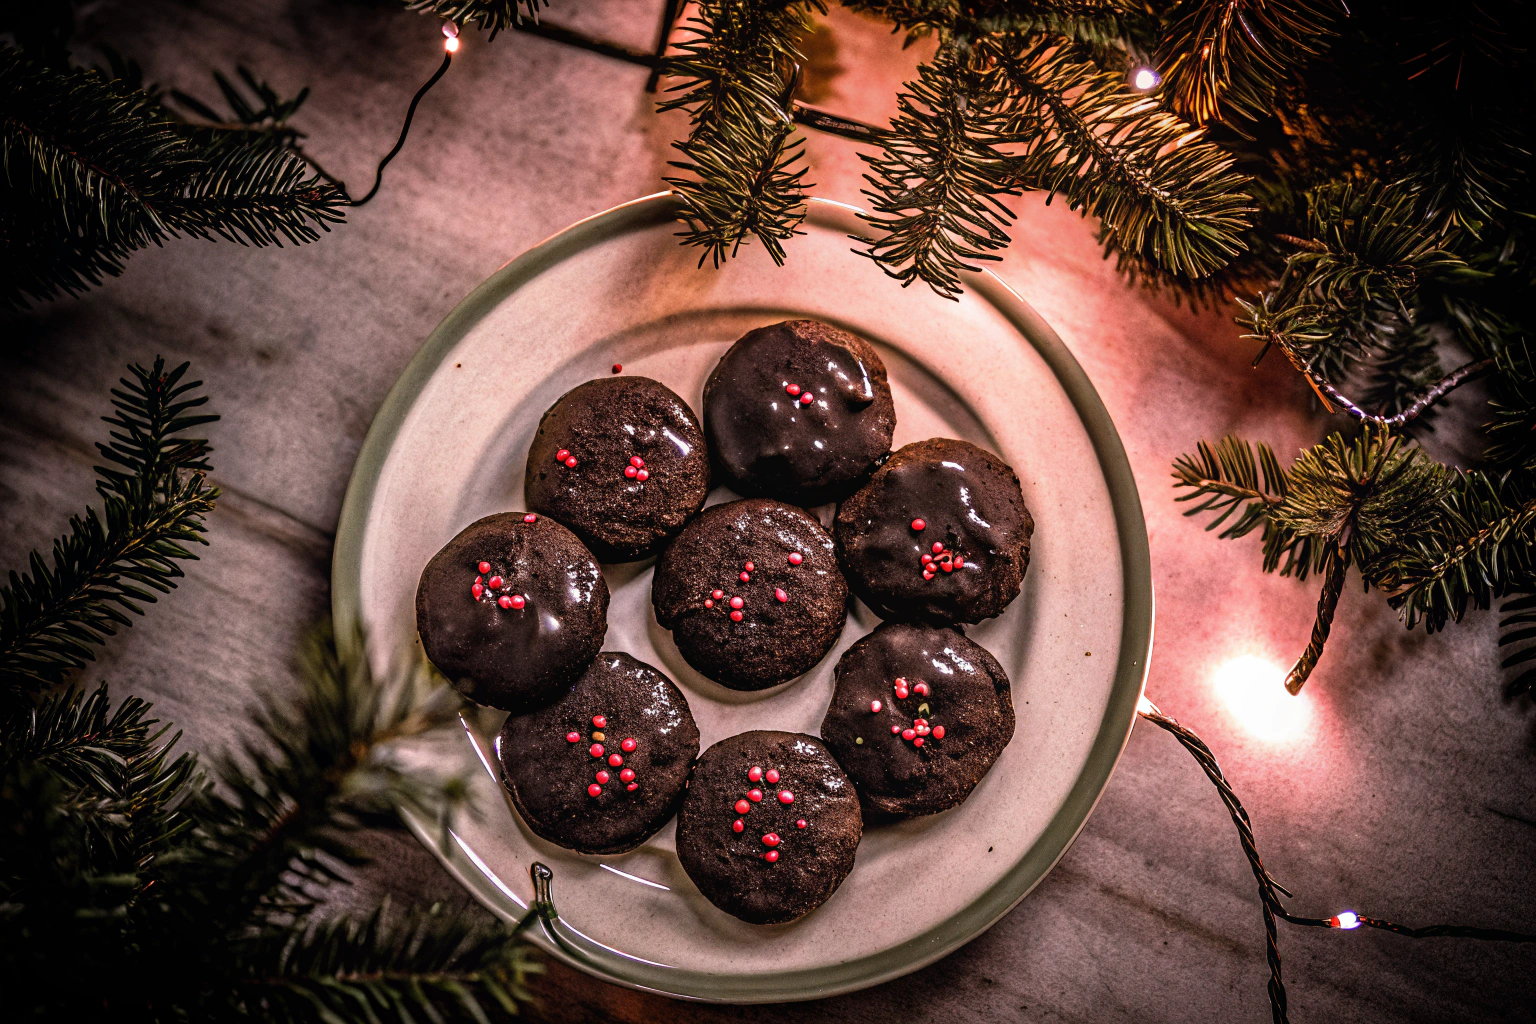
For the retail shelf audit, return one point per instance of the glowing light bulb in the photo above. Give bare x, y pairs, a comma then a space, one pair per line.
1145, 79
1347, 920
1254, 692
451, 44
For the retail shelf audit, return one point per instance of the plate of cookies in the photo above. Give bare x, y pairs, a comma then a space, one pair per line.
803, 616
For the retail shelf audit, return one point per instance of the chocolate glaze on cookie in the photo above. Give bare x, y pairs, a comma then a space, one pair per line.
621, 462
769, 826
512, 610
767, 439
919, 714
940, 534
602, 769
752, 593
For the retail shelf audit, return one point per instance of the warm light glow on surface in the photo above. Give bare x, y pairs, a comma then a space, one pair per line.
1346, 920
451, 44
1254, 692
1145, 79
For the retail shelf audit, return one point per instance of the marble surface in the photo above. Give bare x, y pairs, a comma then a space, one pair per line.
1405, 794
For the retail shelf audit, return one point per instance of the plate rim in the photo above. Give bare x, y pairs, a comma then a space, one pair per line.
970, 920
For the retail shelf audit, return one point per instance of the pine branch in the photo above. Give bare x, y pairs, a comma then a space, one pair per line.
1169, 204
1102, 24
1224, 58
737, 66
1519, 627
935, 184
107, 567
1229, 481
495, 15
1512, 427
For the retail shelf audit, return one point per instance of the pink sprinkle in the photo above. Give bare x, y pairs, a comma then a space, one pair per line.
749, 567
594, 790
615, 760
755, 773
795, 558
643, 475
632, 786
737, 616
778, 592
573, 737
599, 721
800, 823
786, 797
618, 367
530, 518
742, 807
738, 826
917, 742
959, 562
755, 795
938, 732
477, 589
771, 839
772, 776
505, 601
603, 777
708, 603
771, 856
718, 594
627, 775
921, 689
875, 706
518, 600
485, 567
630, 471
746, 577
571, 462
737, 602
908, 734
562, 454
637, 462
628, 746
793, 389
919, 525
596, 750
807, 398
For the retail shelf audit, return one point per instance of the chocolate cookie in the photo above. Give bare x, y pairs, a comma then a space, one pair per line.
602, 769
512, 610
621, 462
918, 716
940, 534
799, 411
751, 592
769, 826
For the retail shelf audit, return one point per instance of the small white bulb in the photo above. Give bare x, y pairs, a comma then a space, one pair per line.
1347, 920
1145, 79
451, 44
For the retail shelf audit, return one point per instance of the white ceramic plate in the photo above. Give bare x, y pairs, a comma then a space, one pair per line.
449, 445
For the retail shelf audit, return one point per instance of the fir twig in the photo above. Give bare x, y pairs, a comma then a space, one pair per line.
495, 15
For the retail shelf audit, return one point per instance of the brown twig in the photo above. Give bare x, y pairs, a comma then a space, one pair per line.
1331, 396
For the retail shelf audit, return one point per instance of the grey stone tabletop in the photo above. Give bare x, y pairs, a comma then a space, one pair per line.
1405, 791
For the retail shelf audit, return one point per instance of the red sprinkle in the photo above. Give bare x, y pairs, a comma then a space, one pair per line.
642, 475
807, 398
738, 826
909, 734
627, 775
938, 547
778, 592
959, 562
896, 729
618, 367
786, 797
632, 786
495, 582
505, 601
875, 706
630, 471
737, 616
737, 602
573, 737
918, 524
938, 732
771, 856
485, 567
750, 567
772, 776
746, 577
947, 566
637, 462
800, 823
795, 558
771, 839
596, 750
571, 462
717, 595
927, 575
917, 742
742, 807
518, 600
615, 760
560, 456
628, 745
754, 795
927, 558
476, 589
793, 389
594, 790
921, 689
530, 518
603, 777
708, 603
599, 721
755, 773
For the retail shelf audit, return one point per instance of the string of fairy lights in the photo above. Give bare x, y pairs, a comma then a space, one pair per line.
1271, 892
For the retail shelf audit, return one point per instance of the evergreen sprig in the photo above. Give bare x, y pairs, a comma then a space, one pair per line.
495, 15
1518, 629
155, 496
